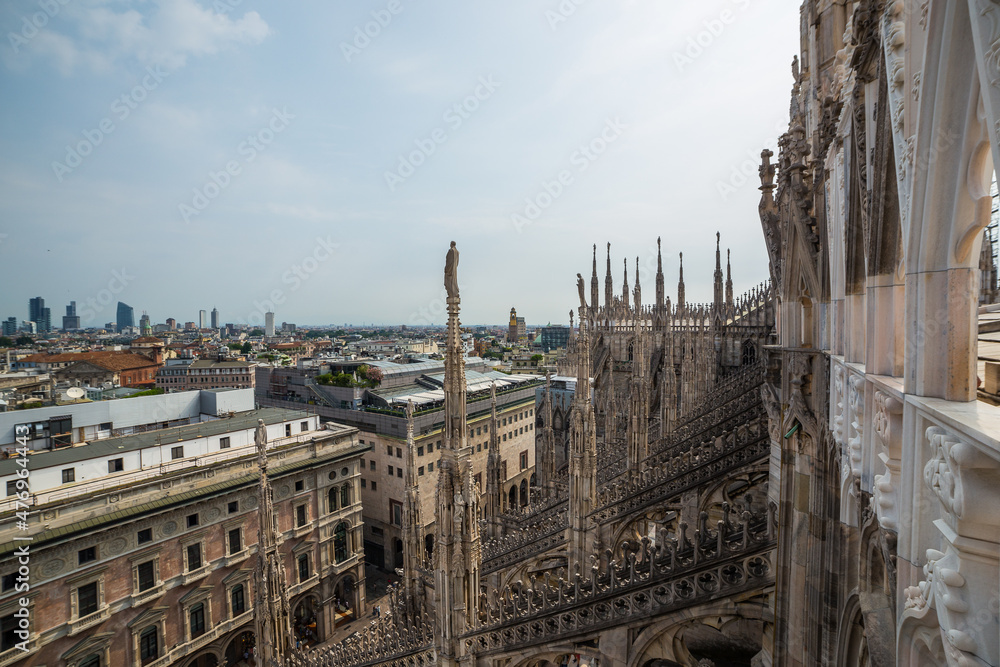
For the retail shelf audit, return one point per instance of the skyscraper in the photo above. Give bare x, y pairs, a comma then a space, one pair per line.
44, 321
10, 326
71, 320
215, 318
125, 317
269, 325
39, 314
202, 319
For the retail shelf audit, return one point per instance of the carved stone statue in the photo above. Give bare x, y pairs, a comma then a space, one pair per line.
260, 434
579, 287
451, 271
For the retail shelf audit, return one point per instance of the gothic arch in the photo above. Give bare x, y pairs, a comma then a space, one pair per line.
551, 655
852, 649
664, 640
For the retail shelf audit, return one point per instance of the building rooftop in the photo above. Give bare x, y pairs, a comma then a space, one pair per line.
128, 443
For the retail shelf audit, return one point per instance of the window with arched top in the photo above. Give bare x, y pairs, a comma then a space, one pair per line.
524, 492
340, 542
749, 352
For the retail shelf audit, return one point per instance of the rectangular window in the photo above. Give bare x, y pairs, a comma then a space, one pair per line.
86, 555
399, 453
479, 448
364, 483
149, 647
239, 601
224, 443
288, 430
479, 430
396, 512
388, 450
177, 452
235, 541
524, 459
234, 507
300, 516
420, 471
8, 633
299, 485
371, 465
68, 475
197, 615
420, 452
304, 426
12, 488
194, 557
116, 465
430, 467
303, 567
9, 581
147, 575
504, 437
430, 446
86, 597
192, 520
145, 535
399, 472
374, 485
390, 470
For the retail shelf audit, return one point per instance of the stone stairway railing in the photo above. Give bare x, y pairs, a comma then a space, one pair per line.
524, 542
648, 580
701, 463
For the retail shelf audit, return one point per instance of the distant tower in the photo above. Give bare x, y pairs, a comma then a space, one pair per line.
717, 297
270, 609
71, 320
637, 290
594, 286
215, 318
680, 286
125, 317
729, 282
202, 319
145, 326
659, 278
512, 326
625, 298
609, 287
269, 325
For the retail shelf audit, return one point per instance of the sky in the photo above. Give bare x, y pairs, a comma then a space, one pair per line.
316, 158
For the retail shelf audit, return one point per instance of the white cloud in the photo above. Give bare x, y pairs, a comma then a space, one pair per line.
93, 36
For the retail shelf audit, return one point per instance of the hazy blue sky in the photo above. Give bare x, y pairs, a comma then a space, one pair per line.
186, 154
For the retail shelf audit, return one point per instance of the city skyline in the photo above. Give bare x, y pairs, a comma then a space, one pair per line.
330, 165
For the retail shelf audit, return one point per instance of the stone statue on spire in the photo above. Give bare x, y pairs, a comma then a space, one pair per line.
451, 271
